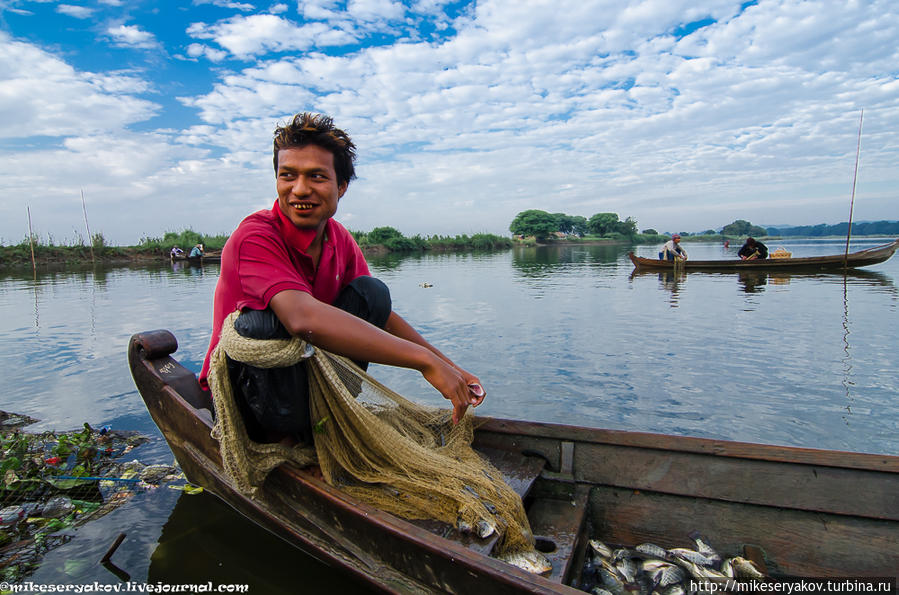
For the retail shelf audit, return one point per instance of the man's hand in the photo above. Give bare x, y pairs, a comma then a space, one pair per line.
454, 384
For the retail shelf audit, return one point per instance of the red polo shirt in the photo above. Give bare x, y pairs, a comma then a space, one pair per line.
266, 254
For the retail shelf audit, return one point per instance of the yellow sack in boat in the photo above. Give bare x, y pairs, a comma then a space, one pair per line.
780, 253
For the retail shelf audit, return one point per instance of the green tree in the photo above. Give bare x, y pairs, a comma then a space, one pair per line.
650, 232
534, 222
628, 227
741, 227
571, 224
381, 235
603, 223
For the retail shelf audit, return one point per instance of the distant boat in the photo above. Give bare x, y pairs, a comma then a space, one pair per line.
197, 259
861, 258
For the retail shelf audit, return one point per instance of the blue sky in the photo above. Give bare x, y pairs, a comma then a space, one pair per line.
684, 114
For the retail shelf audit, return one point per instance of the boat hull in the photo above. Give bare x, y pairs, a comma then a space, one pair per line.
814, 513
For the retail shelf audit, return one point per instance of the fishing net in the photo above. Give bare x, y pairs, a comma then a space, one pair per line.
371, 443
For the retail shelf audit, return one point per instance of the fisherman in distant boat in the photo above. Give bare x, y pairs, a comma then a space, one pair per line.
176, 252
673, 250
753, 250
196, 251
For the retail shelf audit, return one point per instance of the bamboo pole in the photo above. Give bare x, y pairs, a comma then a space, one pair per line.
31, 241
858, 148
90, 238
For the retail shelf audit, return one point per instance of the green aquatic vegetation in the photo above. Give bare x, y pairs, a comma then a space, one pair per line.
51, 482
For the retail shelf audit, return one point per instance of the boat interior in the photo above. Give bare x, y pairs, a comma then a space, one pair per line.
792, 511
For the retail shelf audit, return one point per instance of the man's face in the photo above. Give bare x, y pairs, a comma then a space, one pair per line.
307, 186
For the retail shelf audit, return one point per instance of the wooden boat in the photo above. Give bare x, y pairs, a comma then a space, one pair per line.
812, 512
861, 258
198, 259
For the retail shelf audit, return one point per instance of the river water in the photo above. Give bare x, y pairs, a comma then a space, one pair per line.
562, 334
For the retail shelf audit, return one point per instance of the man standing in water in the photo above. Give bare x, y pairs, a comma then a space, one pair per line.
294, 269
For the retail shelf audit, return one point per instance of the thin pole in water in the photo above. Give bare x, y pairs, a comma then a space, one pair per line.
88, 227
858, 148
31, 241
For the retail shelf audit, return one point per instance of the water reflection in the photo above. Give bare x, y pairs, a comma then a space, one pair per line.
223, 546
671, 281
752, 282
847, 357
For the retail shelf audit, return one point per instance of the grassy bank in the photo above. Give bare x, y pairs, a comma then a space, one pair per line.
379, 240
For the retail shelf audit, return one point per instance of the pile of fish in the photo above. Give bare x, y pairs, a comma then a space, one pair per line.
649, 569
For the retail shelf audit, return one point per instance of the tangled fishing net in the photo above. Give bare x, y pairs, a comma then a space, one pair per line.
370, 442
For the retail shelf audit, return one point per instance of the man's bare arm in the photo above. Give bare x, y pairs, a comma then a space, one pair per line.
342, 333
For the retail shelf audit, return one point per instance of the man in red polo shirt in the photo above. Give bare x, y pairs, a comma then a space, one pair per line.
293, 269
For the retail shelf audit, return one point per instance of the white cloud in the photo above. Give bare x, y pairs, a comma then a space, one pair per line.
198, 50
571, 106
79, 12
595, 88
242, 6
40, 94
132, 36
375, 10
256, 34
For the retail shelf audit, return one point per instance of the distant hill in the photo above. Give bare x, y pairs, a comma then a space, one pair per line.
860, 228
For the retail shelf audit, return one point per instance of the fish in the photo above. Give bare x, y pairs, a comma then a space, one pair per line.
485, 528
744, 568
600, 549
529, 560
600, 591
694, 556
612, 581
662, 573
627, 568
652, 550
727, 569
702, 545
701, 572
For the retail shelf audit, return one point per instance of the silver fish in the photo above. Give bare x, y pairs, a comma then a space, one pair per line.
703, 547
698, 571
600, 591
627, 568
727, 568
485, 528
620, 554
600, 549
663, 574
652, 550
531, 560
693, 556
612, 581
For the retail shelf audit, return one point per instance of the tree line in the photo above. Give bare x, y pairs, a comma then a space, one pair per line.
865, 228
542, 224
